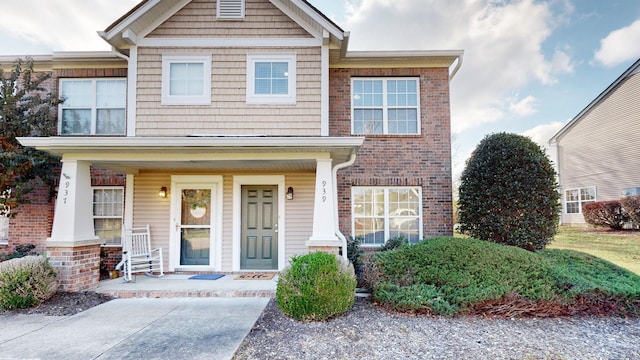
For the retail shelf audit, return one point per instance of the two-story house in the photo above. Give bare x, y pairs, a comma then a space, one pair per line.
247, 133
598, 156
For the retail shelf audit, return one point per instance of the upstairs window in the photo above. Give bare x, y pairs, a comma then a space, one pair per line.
186, 80
107, 214
575, 198
230, 10
385, 106
93, 107
271, 79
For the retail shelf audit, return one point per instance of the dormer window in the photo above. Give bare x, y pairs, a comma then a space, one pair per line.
230, 10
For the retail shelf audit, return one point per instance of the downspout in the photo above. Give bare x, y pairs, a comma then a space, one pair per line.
334, 174
455, 69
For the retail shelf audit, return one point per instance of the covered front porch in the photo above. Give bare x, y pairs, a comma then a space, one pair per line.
214, 190
181, 285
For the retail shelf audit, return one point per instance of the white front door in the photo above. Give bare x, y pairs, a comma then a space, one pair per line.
195, 214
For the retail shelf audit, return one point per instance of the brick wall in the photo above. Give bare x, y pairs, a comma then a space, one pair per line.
77, 268
390, 160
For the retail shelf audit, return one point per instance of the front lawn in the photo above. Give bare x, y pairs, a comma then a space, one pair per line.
468, 276
620, 247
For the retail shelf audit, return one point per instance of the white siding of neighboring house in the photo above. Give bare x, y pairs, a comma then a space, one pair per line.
603, 148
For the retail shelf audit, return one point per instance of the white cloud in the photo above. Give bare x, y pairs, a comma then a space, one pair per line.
61, 25
502, 41
524, 107
542, 133
619, 46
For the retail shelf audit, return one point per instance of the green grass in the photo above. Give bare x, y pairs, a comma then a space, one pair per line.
620, 247
452, 275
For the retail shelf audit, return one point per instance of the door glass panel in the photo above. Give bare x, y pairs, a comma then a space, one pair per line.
195, 227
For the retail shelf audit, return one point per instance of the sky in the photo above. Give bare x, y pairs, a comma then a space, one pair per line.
529, 66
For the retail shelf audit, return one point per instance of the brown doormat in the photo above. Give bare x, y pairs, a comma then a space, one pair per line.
267, 276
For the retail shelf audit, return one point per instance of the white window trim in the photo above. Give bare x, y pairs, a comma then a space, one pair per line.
580, 201
385, 107
93, 216
4, 225
252, 97
386, 212
205, 98
94, 107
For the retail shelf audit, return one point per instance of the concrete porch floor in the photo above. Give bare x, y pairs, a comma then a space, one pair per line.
174, 285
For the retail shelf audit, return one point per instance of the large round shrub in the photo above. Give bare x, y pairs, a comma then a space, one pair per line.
509, 194
316, 286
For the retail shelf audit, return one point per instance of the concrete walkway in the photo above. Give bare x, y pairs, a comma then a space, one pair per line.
139, 328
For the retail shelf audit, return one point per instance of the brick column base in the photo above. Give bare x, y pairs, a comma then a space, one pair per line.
335, 250
78, 268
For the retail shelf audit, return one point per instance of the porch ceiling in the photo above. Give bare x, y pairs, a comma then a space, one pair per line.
219, 153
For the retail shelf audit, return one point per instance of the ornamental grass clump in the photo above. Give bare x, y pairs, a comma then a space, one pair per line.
316, 287
26, 282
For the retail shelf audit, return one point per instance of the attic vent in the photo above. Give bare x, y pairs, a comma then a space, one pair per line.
230, 9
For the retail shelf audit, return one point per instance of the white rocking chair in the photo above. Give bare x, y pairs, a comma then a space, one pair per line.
137, 255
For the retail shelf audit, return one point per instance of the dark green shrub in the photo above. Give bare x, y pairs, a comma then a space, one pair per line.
19, 251
631, 206
316, 286
464, 272
394, 243
509, 194
354, 252
26, 282
417, 297
605, 214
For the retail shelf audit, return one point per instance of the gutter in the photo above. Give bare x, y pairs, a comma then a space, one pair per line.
334, 174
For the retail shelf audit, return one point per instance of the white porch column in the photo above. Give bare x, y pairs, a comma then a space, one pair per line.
324, 225
73, 219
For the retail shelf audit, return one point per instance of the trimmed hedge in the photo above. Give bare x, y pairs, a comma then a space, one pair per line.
631, 205
26, 282
509, 194
316, 287
605, 214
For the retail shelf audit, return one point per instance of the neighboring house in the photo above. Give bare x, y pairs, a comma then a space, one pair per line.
245, 133
598, 152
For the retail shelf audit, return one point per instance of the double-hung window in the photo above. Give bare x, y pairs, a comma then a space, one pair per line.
385, 106
93, 106
107, 214
5, 213
575, 198
381, 213
186, 80
271, 79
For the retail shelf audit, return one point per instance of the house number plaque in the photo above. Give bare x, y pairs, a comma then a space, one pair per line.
324, 190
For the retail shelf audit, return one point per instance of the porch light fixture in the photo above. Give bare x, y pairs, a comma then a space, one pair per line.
163, 192
290, 193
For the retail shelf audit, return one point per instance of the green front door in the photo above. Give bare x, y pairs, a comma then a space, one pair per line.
259, 247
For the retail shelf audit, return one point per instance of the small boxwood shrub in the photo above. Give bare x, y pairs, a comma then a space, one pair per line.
605, 214
631, 205
26, 282
316, 287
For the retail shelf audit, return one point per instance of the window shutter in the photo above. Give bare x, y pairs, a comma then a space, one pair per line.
230, 9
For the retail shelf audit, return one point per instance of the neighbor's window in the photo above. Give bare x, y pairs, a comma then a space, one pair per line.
575, 198
385, 106
4, 229
186, 80
271, 79
631, 191
380, 214
107, 214
93, 106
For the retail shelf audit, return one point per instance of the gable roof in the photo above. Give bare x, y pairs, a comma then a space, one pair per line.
149, 14
633, 69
